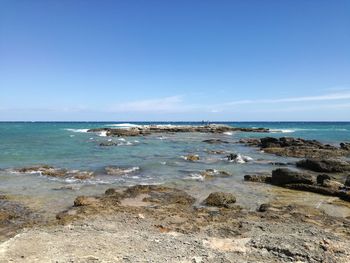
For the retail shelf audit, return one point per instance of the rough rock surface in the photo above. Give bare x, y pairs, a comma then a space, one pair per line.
56, 172
296, 147
147, 223
220, 199
324, 166
146, 130
321, 184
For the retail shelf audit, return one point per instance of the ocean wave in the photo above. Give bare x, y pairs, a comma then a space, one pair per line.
195, 176
228, 133
124, 125
103, 134
282, 130
77, 130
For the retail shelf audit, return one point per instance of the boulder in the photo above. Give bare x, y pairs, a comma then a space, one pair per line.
284, 176
220, 199
324, 166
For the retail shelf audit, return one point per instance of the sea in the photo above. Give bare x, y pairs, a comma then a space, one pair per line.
152, 159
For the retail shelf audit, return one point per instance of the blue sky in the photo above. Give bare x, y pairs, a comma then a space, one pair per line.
175, 60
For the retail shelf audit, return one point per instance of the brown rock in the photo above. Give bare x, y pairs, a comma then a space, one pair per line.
220, 199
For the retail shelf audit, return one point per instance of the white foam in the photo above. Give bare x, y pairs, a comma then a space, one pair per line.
77, 130
103, 134
282, 130
228, 133
125, 125
195, 176
242, 159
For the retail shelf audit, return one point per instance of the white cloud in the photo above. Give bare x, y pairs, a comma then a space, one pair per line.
326, 97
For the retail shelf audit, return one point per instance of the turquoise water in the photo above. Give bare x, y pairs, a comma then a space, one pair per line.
158, 156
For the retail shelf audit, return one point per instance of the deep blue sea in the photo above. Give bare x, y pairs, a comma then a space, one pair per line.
158, 157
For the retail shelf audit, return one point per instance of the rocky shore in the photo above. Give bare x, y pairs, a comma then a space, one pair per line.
147, 130
159, 223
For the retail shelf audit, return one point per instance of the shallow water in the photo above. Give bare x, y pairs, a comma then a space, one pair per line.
159, 157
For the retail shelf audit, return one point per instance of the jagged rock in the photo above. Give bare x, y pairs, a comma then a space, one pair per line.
297, 147
284, 176
220, 199
215, 141
325, 166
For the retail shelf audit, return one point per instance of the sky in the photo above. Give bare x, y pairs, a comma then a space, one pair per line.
183, 60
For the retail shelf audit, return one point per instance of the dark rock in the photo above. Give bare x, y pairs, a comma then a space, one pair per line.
284, 176
220, 199
345, 146
297, 147
321, 177
215, 141
264, 207
314, 189
325, 166
347, 181
106, 144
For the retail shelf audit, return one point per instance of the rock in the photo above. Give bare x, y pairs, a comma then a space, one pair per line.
211, 173
297, 147
160, 194
314, 189
321, 177
57, 172
345, 146
85, 201
215, 141
325, 166
104, 144
284, 176
146, 130
192, 157
264, 207
220, 199
118, 171
257, 178
269, 142
347, 181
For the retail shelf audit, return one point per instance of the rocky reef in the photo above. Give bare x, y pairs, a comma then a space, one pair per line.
297, 147
146, 130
